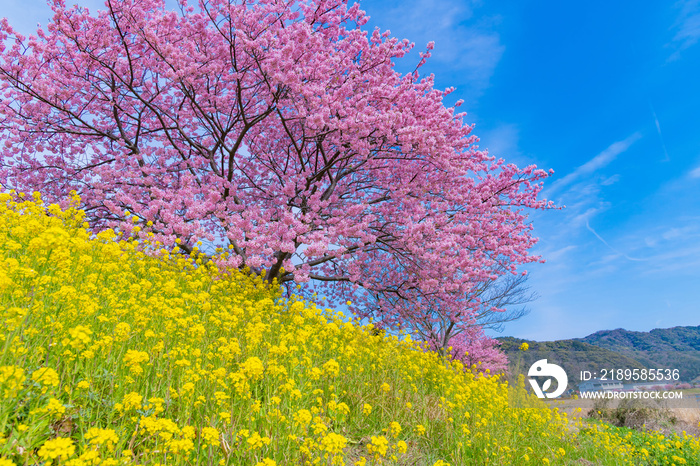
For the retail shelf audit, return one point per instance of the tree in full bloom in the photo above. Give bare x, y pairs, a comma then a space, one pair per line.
276, 129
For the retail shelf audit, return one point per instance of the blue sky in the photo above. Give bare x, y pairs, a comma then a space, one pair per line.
606, 94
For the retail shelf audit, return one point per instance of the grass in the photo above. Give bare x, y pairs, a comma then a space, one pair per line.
119, 352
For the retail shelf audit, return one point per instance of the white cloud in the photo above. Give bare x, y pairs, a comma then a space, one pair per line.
650, 241
673, 233
596, 163
584, 217
24, 16
559, 254
677, 257
687, 27
613, 249
610, 180
661, 137
689, 31
470, 47
695, 173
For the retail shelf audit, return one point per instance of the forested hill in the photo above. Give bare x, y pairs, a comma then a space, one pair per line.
659, 339
574, 356
675, 348
672, 348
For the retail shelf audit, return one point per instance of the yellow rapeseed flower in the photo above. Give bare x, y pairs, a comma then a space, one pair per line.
210, 435
57, 448
46, 376
333, 443
378, 446
266, 462
394, 429
97, 436
227, 351
132, 401
11, 380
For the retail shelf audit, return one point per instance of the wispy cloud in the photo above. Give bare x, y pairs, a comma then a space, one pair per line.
613, 249
557, 255
695, 173
681, 259
470, 47
610, 180
661, 137
596, 163
683, 232
24, 16
686, 27
584, 217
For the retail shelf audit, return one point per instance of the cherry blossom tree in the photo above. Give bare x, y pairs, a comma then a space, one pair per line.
278, 129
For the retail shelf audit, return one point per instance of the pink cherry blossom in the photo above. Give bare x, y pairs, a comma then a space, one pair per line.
278, 128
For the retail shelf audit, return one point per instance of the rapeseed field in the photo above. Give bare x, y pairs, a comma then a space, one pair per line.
119, 352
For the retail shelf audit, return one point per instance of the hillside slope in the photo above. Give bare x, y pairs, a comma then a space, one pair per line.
115, 357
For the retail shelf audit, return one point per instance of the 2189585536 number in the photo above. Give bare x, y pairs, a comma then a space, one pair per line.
650, 375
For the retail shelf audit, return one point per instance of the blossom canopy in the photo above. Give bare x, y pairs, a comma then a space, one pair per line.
278, 129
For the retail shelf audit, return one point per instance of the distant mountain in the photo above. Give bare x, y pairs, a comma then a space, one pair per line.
659, 339
573, 355
672, 348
